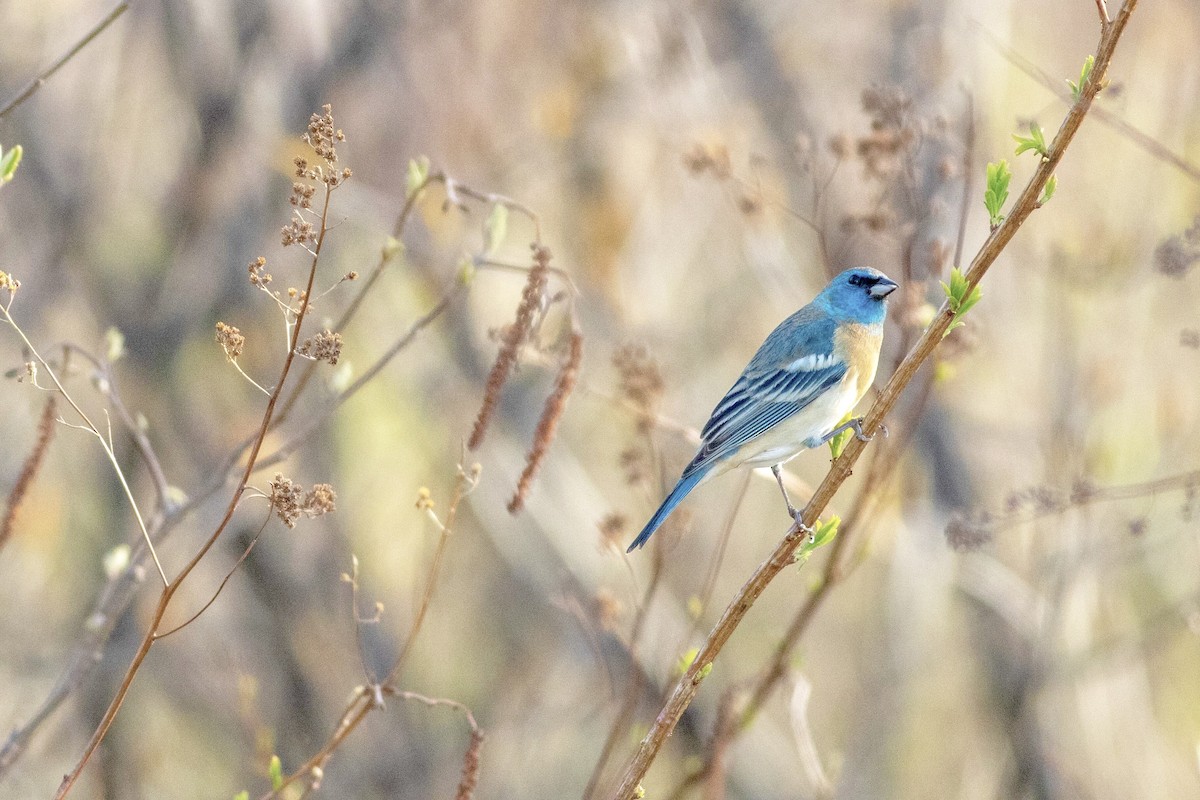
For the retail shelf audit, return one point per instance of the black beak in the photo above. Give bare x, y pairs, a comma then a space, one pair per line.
883, 288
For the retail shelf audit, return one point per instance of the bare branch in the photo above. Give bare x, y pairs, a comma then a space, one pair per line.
45, 74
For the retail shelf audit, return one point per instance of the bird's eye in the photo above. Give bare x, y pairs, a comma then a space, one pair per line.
856, 280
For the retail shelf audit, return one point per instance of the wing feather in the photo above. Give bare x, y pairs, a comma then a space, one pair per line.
758, 402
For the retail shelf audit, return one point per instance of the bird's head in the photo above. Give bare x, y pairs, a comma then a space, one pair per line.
858, 295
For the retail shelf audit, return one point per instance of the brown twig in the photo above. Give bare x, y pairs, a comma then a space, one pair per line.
689, 684
172, 587
118, 593
43, 76
370, 697
245, 554
1147, 143
1049, 502
463, 484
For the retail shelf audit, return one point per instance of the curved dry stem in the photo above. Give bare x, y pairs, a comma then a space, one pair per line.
245, 554
90, 427
172, 586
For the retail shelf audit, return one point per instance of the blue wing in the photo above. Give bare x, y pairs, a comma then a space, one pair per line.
792, 368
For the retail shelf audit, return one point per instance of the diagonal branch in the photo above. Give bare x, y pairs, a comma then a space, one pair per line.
689, 684
44, 75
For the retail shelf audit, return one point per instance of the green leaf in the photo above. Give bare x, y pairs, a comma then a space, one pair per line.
242, 795
959, 298
1084, 74
838, 443
418, 175
957, 323
994, 197
1049, 189
8, 164
823, 533
275, 770
495, 228
1036, 141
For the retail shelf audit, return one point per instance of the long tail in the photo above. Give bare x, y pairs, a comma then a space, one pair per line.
685, 485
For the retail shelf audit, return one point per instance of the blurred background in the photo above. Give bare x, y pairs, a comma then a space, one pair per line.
1017, 610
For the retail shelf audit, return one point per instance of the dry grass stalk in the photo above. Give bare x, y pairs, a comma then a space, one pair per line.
556, 403
514, 336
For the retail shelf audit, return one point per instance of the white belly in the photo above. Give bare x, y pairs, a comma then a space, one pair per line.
787, 439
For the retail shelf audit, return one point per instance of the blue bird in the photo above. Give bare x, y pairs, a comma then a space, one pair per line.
808, 374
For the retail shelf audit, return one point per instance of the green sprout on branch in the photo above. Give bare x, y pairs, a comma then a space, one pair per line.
821, 535
417, 175
1048, 190
998, 176
1084, 74
959, 298
1036, 141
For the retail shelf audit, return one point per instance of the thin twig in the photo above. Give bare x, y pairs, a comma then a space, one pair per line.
1057, 86
245, 554
117, 594
463, 484
368, 698
39, 79
91, 428
140, 440
173, 586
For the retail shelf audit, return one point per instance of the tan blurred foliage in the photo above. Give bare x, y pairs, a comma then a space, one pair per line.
698, 169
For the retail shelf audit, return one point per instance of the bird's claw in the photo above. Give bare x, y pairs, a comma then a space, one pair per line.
856, 426
798, 518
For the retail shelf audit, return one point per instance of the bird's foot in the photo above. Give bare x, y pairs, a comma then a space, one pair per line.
856, 425
798, 518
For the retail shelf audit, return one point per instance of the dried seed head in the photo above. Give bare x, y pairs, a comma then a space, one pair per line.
258, 272
302, 195
470, 770
552, 412
322, 135
290, 501
514, 336
711, 158
298, 231
641, 380
1177, 254
231, 340
287, 499
325, 346
424, 499
967, 534
8, 283
320, 499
